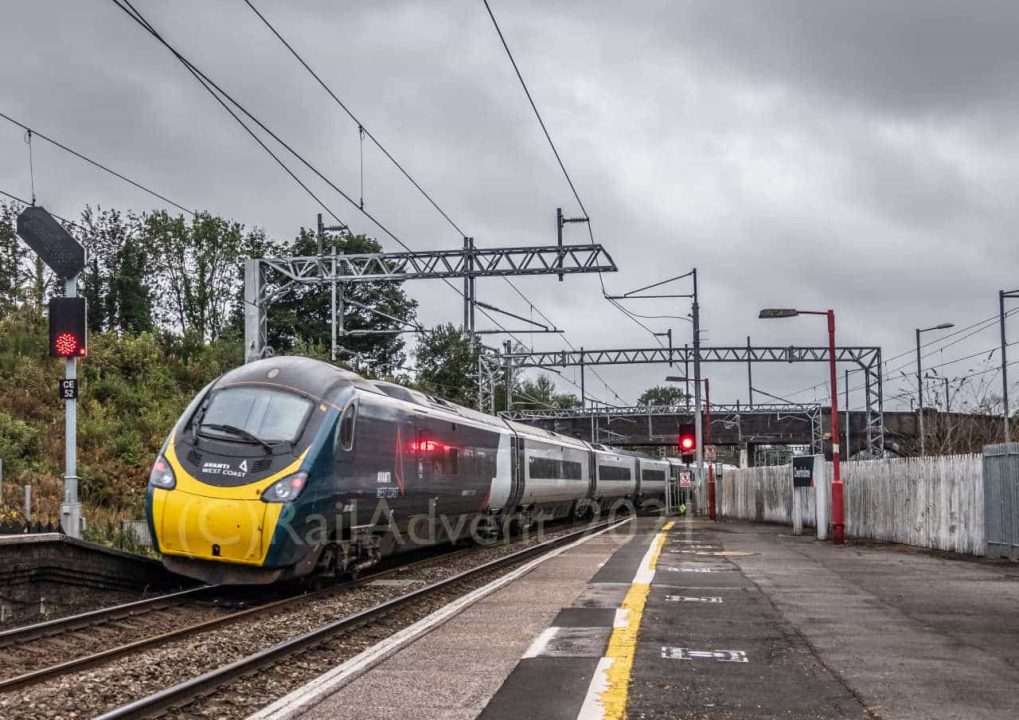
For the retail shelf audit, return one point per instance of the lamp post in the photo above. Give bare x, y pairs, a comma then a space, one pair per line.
1002, 296
919, 380
707, 435
838, 526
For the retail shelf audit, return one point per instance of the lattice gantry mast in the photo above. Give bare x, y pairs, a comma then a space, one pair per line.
470, 263
868, 359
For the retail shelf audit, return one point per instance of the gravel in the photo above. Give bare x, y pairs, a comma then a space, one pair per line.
96, 690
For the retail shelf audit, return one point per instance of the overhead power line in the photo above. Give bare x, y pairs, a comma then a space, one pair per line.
979, 325
399, 166
26, 203
562, 165
537, 114
224, 97
368, 133
96, 163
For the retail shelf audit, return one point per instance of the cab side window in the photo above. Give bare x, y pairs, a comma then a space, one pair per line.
345, 428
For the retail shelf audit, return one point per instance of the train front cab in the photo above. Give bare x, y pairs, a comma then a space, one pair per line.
230, 495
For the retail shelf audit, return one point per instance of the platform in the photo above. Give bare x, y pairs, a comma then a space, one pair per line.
50, 574
703, 620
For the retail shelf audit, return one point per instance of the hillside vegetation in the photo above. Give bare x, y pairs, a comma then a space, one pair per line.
164, 299
132, 389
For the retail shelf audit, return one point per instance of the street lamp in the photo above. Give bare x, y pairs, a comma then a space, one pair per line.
707, 439
838, 526
919, 379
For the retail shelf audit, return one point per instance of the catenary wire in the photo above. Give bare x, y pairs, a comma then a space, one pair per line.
888, 374
97, 164
559, 159
26, 203
223, 97
364, 131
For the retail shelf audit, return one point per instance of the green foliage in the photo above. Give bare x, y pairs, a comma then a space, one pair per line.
114, 533
447, 365
194, 264
117, 279
165, 306
662, 395
133, 388
300, 315
17, 442
14, 275
540, 394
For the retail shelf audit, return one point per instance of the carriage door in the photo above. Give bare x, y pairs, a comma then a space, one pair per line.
516, 472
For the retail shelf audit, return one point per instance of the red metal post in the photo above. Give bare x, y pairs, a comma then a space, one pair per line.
838, 529
707, 441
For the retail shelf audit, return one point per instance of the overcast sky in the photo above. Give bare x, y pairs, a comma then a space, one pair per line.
856, 155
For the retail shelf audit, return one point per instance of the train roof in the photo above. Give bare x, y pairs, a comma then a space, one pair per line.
317, 378
307, 375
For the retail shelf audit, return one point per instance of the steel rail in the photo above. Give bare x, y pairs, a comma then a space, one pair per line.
156, 704
95, 617
87, 661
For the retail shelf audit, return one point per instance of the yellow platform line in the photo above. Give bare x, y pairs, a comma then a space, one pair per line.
611, 684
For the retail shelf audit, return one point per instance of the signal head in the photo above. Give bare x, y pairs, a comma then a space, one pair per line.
68, 327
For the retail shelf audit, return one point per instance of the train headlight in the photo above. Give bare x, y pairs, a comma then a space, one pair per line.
287, 489
162, 475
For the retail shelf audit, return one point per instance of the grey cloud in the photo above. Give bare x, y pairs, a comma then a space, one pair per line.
855, 155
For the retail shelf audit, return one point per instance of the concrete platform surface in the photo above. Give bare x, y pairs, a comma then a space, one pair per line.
705, 620
451, 673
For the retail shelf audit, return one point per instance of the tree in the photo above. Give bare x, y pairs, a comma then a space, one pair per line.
117, 281
662, 395
447, 365
302, 313
541, 394
14, 275
194, 263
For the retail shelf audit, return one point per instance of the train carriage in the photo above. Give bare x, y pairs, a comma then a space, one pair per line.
288, 467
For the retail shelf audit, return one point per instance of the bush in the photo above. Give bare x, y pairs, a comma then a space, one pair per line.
133, 388
17, 442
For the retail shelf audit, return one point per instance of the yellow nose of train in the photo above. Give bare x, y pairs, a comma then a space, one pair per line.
211, 522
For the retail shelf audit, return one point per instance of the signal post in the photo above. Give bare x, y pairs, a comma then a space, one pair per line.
67, 338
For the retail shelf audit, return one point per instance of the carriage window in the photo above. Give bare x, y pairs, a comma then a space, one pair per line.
653, 475
571, 470
613, 472
544, 468
345, 432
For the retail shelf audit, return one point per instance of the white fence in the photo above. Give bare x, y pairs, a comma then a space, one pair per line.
935, 502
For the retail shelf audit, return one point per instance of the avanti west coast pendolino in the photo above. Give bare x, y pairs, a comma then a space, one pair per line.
290, 467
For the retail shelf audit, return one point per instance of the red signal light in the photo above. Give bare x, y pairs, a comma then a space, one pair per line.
66, 345
687, 441
68, 327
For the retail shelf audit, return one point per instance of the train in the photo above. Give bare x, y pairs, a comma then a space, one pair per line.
290, 468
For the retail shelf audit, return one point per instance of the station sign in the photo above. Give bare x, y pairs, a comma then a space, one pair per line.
803, 471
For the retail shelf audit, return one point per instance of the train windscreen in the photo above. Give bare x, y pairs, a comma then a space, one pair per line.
267, 414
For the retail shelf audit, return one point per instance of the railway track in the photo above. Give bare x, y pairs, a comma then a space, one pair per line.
78, 636
23, 647
237, 688
85, 685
